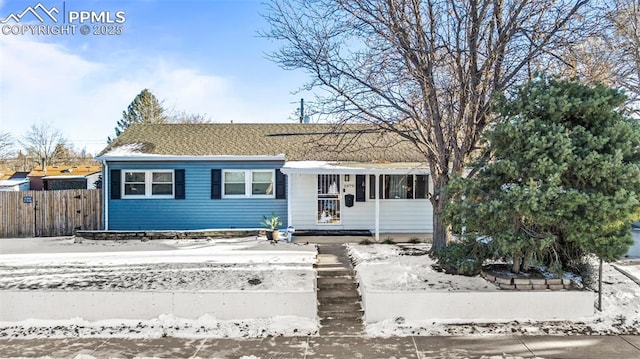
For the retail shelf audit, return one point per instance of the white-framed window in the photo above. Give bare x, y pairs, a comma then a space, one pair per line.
400, 187
248, 183
148, 184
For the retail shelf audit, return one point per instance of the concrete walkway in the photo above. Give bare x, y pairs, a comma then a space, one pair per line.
339, 303
348, 347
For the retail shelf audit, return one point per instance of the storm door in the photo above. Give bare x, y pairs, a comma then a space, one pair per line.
328, 199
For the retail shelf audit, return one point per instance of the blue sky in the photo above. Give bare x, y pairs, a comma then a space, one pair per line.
201, 57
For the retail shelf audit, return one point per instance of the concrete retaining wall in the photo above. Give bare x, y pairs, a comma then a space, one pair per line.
100, 305
483, 306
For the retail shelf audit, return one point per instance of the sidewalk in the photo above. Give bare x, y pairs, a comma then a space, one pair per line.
511, 346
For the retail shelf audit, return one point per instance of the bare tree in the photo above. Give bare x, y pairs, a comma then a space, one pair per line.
6, 144
611, 56
41, 141
626, 44
425, 69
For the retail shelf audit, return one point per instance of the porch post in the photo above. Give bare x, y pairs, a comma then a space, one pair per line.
288, 182
377, 176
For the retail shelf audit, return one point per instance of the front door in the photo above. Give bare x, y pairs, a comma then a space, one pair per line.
328, 199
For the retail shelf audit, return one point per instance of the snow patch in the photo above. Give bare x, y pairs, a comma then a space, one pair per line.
384, 268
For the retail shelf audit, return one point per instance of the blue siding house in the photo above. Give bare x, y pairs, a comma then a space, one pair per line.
228, 176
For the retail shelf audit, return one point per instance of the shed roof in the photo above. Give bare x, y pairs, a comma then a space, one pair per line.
13, 182
297, 142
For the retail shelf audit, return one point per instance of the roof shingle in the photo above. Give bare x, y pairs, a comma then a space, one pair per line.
298, 142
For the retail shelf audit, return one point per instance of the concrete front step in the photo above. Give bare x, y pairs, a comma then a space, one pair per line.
335, 281
332, 315
332, 293
338, 287
335, 272
336, 301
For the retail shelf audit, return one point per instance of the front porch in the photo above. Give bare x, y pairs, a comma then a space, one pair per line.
380, 197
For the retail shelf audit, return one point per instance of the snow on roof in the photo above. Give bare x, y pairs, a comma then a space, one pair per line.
13, 182
63, 177
129, 149
355, 167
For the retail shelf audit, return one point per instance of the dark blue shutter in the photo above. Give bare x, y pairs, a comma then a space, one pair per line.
361, 188
115, 179
179, 184
216, 184
281, 185
410, 187
372, 186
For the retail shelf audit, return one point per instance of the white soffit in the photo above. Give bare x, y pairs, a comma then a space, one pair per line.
312, 167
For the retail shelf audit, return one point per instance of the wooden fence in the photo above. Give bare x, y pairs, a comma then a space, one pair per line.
49, 213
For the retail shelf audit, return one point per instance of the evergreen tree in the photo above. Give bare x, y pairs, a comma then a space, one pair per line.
145, 108
563, 179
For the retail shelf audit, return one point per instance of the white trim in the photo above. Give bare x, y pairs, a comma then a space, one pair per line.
106, 181
248, 184
152, 157
353, 168
148, 184
377, 210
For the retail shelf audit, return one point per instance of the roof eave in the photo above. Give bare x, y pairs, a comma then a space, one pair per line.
164, 158
315, 167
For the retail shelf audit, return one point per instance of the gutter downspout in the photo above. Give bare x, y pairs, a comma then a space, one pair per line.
377, 176
105, 198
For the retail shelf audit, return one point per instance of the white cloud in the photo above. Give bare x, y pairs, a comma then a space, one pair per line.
84, 99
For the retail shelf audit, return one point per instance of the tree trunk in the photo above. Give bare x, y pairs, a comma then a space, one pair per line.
441, 233
526, 260
517, 261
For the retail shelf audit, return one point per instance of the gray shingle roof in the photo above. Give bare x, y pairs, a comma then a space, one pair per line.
298, 142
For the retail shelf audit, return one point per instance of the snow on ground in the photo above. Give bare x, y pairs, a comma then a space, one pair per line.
389, 267
172, 265
631, 266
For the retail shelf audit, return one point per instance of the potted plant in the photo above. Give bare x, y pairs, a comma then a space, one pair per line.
271, 224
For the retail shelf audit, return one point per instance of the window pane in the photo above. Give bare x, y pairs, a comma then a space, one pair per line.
134, 176
162, 189
396, 187
234, 188
134, 189
262, 176
328, 184
262, 188
162, 177
234, 177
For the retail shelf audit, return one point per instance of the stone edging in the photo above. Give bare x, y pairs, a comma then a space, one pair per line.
151, 235
528, 283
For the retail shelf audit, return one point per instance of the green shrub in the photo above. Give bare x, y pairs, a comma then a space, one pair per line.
415, 240
388, 240
463, 258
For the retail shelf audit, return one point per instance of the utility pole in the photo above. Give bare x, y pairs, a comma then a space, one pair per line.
301, 110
